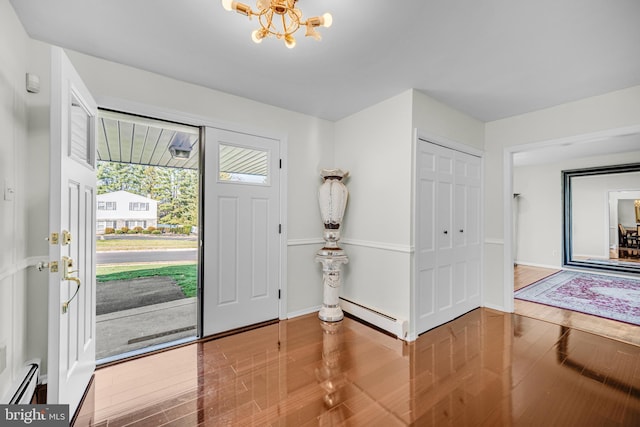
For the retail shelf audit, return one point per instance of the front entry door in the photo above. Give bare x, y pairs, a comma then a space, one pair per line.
241, 230
71, 346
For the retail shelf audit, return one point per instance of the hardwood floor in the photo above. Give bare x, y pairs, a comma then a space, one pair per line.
485, 368
525, 275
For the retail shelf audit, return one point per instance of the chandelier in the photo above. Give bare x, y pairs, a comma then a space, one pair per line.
279, 18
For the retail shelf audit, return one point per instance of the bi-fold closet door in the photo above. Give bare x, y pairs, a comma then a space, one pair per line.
447, 235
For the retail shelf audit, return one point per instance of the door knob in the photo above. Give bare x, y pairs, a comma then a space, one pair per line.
461, 230
445, 232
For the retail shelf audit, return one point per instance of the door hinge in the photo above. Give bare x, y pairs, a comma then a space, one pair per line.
279, 293
280, 163
279, 228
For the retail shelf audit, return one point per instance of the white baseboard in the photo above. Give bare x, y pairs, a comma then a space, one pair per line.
496, 308
533, 264
397, 327
303, 312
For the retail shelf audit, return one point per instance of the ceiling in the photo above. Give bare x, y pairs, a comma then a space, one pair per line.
490, 59
123, 138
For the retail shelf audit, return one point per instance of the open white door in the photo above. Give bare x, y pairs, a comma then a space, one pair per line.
241, 230
71, 351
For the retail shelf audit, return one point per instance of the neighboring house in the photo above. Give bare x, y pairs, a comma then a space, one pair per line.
123, 209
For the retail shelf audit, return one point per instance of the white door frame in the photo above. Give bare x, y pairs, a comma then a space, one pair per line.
161, 113
421, 135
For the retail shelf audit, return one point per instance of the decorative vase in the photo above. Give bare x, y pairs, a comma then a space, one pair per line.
332, 198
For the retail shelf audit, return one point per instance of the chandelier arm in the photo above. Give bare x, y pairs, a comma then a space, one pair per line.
269, 21
285, 29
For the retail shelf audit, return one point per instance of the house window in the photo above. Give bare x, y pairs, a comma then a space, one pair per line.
106, 206
105, 224
138, 206
132, 224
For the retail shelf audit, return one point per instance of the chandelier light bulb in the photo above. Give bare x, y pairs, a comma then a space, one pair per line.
227, 4
256, 36
289, 41
327, 20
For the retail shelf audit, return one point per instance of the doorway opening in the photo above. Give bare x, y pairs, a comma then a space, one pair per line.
147, 234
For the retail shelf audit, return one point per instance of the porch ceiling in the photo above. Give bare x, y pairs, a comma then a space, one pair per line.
125, 138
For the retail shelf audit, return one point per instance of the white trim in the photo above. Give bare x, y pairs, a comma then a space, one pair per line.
377, 245
507, 268
284, 265
533, 264
304, 312
490, 241
496, 307
305, 242
507, 177
585, 137
448, 143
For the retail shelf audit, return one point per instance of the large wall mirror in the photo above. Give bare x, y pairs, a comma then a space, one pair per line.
602, 218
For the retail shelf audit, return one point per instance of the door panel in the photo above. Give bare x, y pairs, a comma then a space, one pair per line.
241, 227
71, 346
447, 209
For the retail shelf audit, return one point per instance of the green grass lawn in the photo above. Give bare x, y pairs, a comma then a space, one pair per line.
143, 244
185, 275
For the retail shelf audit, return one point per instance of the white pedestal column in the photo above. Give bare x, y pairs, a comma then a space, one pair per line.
332, 261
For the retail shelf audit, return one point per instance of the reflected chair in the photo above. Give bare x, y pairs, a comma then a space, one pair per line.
628, 240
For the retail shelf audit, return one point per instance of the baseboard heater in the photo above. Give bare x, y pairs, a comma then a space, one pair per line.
25, 387
397, 327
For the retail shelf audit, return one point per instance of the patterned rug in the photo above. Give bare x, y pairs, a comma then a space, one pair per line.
605, 296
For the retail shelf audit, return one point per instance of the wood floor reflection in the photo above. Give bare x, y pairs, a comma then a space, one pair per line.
485, 368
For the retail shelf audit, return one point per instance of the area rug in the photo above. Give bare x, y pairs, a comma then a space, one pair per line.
612, 297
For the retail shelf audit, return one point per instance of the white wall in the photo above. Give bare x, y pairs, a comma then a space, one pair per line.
441, 120
627, 209
14, 45
540, 213
376, 146
615, 110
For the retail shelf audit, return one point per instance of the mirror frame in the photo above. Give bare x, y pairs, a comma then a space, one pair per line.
567, 217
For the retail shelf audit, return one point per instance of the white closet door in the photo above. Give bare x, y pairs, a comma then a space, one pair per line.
447, 235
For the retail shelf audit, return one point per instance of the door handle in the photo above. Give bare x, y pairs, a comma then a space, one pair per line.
445, 232
461, 230
67, 264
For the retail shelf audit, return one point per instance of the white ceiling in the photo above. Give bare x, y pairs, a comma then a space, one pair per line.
490, 59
